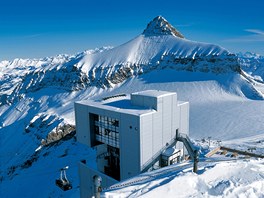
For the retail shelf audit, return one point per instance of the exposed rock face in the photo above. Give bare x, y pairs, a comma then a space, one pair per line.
160, 46
65, 76
119, 73
160, 26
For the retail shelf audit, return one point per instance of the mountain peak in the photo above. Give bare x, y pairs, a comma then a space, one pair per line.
160, 26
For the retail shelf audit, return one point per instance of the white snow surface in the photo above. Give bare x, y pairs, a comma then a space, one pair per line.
145, 49
220, 179
216, 110
253, 64
226, 106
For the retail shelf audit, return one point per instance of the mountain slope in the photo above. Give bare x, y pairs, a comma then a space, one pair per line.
156, 48
222, 179
22, 76
214, 112
37, 98
160, 46
253, 64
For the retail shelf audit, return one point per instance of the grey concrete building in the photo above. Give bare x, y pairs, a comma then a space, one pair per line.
130, 134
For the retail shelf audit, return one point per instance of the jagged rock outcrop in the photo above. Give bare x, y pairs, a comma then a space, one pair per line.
160, 26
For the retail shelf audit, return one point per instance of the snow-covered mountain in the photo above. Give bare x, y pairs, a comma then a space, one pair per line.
253, 64
22, 76
37, 97
159, 46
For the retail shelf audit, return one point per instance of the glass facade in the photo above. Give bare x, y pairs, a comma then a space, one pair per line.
112, 168
106, 129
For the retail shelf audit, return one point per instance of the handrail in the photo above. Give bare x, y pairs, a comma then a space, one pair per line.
179, 137
242, 152
115, 96
187, 143
212, 152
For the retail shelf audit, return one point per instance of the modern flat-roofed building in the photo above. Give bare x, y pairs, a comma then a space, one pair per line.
130, 135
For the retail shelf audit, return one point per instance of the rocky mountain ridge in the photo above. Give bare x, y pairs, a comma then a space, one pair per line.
160, 26
37, 103
160, 46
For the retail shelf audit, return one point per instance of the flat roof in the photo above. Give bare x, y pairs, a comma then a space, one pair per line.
119, 105
179, 102
124, 105
154, 93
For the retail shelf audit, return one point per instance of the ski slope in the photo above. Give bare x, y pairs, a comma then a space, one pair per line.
220, 179
37, 97
217, 109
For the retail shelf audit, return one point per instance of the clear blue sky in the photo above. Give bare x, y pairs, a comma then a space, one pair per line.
39, 28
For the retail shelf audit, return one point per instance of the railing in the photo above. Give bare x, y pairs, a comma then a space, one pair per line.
242, 152
214, 151
187, 143
115, 96
185, 136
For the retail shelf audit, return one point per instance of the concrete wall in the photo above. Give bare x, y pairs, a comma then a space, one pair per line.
146, 145
82, 124
184, 118
129, 140
175, 116
167, 112
144, 101
158, 128
101, 162
86, 175
129, 146
82, 119
184, 123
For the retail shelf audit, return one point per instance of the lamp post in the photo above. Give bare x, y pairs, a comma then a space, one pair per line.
209, 140
97, 185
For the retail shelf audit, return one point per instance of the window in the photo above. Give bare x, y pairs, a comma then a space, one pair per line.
106, 129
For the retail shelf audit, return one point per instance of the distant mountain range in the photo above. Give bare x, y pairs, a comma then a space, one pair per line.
253, 64
37, 97
160, 46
